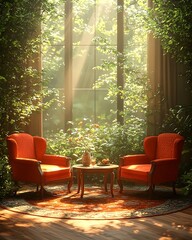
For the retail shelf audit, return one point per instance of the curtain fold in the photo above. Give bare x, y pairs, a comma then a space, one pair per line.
167, 83
163, 78
167, 87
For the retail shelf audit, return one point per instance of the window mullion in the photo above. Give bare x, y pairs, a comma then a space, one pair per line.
68, 62
120, 59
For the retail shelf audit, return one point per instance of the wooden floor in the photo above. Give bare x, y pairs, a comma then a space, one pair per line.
25, 227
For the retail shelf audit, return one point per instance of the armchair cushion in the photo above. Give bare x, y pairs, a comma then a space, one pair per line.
53, 173
136, 172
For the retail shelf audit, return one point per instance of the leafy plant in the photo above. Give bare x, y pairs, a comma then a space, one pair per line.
179, 120
106, 141
20, 78
187, 180
170, 21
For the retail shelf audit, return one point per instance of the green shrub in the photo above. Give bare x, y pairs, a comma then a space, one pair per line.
179, 120
6, 184
187, 181
103, 141
20, 80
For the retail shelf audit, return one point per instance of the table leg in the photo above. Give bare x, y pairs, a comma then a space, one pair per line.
112, 181
78, 180
82, 183
105, 182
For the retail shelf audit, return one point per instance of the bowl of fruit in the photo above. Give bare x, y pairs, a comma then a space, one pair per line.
104, 162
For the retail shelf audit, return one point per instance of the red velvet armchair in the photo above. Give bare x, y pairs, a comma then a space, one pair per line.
30, 163
159, 164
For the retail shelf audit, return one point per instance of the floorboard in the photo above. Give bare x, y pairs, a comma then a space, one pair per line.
15, 226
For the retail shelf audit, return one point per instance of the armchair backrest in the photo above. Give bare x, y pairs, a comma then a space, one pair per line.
20, 145
169, 145
40, 145
165, 145
150, 147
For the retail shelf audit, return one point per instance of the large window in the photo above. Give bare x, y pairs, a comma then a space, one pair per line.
94, 60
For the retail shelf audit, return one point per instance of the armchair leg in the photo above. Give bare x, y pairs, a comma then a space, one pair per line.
120, 185
174, 190
16, 187
151, 190
14, 193
70, 183
42, 192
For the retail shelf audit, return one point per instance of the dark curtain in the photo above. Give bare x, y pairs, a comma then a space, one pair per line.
162, 74
167, 84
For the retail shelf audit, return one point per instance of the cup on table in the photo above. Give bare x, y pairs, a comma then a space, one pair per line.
93, 161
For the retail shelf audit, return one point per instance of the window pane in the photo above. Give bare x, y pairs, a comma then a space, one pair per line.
53, 25
106, 21
83, 104
83, 64
83, 22
53, 65
104, 109
53, 117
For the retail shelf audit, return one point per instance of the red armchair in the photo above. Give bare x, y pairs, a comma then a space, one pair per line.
30, 164
159, 164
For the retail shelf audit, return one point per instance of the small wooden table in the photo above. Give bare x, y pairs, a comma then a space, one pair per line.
104, 169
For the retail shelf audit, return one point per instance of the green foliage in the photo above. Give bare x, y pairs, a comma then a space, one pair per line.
20, 80
6, 184
170, 21
103, 141
20, 91
187, 180
179, 120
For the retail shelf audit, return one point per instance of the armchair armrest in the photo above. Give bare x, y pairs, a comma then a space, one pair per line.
30, 161
165, 161
133, 159
24, 169
56, 160
164, 170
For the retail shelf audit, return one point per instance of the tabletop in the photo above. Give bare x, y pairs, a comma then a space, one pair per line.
96, 167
